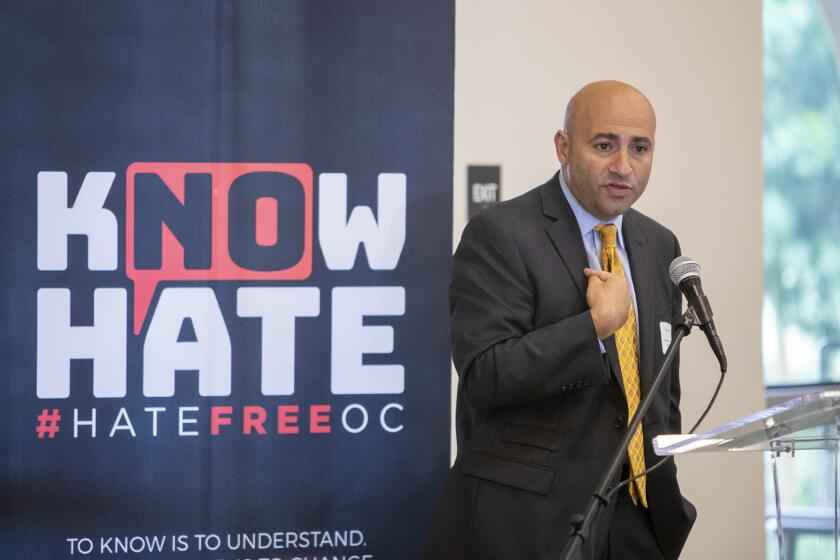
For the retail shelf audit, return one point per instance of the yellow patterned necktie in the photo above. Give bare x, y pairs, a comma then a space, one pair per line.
626, 341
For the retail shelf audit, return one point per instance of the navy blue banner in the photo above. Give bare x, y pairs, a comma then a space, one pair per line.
226, 231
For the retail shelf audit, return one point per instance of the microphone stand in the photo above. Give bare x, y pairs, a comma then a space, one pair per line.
582, 524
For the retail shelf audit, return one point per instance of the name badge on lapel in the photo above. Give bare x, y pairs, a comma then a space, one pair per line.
665, 332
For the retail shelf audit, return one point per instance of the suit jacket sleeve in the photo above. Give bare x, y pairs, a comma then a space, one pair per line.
502, 358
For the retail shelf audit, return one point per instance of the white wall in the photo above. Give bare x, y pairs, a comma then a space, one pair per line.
517, 63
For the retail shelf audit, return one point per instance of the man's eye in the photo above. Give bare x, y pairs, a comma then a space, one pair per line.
640, 149
602, 146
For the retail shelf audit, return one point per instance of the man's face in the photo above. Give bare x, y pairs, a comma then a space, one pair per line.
607, 152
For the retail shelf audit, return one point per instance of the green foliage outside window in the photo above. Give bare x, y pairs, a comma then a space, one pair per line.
801, 148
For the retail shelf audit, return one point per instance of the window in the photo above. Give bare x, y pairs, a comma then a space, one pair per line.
801, 322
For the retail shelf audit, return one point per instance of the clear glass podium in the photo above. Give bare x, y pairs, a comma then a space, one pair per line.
809, 423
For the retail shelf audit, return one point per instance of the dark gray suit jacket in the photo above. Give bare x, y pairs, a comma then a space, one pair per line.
540, 410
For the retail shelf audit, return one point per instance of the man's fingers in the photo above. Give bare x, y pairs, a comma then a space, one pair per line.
600, 274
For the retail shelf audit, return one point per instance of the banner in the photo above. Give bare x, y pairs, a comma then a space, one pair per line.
226, 233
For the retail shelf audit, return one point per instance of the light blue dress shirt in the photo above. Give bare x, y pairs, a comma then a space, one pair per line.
592, 243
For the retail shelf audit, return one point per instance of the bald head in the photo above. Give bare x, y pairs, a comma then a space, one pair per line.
606, 147
599, 99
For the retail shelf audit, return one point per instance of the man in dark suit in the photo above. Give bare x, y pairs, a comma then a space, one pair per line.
561, 306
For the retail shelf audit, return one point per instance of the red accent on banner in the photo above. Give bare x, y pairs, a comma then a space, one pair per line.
266, 213
253, 418
287, 418
216, 418
319, 418
222, 266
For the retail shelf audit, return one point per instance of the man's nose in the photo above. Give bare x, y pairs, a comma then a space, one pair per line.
620, 164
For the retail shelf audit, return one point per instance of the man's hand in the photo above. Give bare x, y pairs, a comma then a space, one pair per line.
609, 299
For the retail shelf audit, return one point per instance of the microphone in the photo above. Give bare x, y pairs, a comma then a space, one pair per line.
685, 273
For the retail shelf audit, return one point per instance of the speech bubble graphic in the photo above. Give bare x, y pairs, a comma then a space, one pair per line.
222, 266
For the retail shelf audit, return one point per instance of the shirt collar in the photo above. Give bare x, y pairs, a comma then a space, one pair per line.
586, 221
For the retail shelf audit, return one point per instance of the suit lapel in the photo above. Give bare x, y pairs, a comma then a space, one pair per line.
564, 233
642, 267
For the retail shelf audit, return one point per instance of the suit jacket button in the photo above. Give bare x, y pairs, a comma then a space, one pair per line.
619, 424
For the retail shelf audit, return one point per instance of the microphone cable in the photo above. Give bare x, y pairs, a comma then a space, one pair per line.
685, 274
613, 491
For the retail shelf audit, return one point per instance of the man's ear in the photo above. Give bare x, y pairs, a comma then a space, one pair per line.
561, 143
